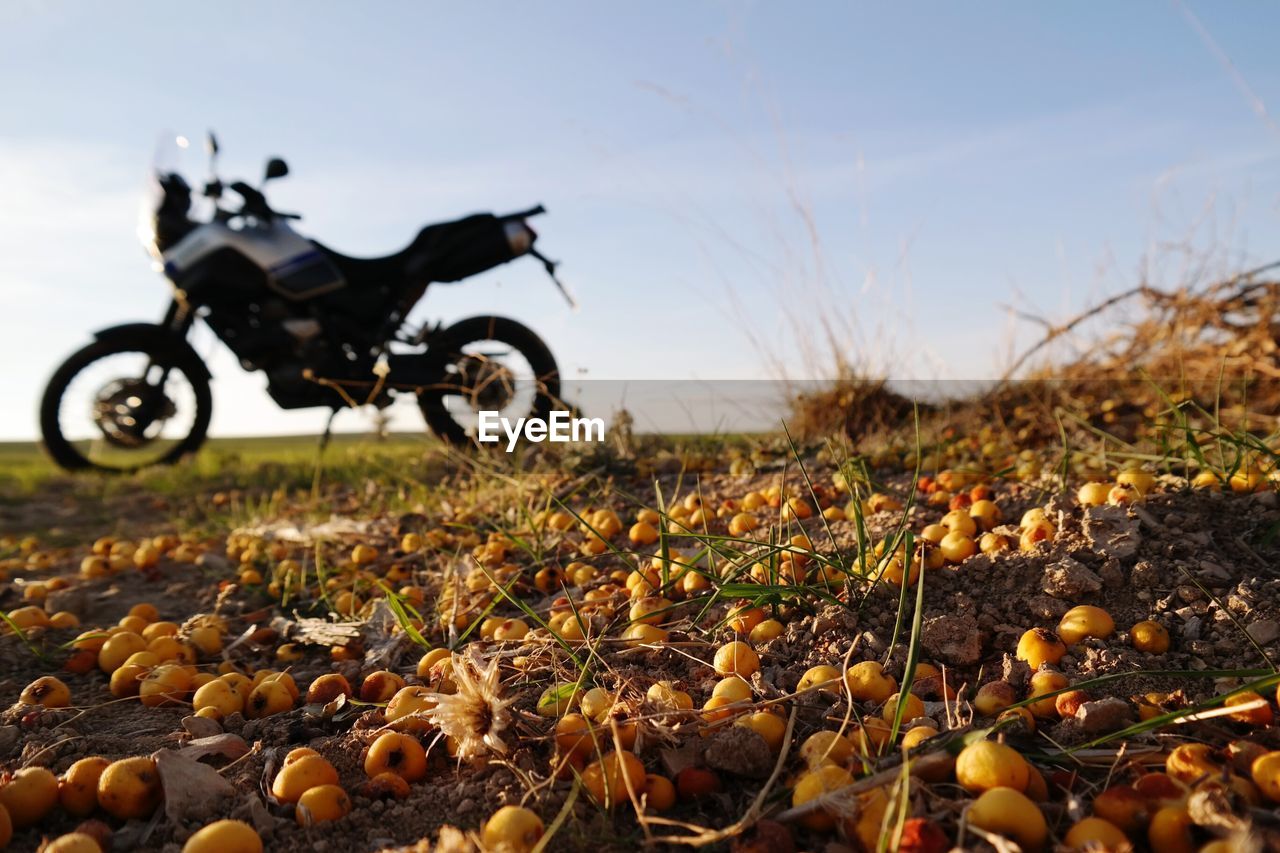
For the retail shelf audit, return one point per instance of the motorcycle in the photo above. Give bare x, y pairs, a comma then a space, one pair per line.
327, 329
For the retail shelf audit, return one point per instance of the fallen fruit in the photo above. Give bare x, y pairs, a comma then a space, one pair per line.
47, 691
993, 697
659, 793
1188, 762
607, 781
736, 658
1150, 637
1040, 646
224, 836
1265, 771
1008, 812
821, 677
325, 689
300, 775
72, 842
1085, 620
322, 804
130, 788
380, 686
826, 747
29, 795
868, 682
386, 784
78, 788
817, 782
986, 764
397, 753
1095, 833
512, 828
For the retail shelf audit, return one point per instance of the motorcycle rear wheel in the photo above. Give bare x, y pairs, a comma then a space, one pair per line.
473, 353
72, 442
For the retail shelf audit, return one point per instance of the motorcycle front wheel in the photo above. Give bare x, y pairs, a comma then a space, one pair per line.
117, 406
489, 364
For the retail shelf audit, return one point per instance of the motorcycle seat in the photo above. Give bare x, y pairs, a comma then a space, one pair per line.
383, 269
444, 252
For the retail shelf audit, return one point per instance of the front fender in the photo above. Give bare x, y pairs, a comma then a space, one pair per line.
159, 339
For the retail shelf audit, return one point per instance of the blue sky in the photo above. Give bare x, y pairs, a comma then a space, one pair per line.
721, 177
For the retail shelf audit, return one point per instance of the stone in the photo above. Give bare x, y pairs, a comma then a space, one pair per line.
1111, 531
1145, 575
1263, 631
1103, 715
1070, 579
952, 639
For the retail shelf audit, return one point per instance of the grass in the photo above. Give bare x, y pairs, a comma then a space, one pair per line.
495, 498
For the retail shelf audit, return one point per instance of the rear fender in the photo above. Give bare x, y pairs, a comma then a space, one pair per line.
156, 339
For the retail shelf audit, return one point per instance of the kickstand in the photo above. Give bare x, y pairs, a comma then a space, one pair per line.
328, 431
550, 266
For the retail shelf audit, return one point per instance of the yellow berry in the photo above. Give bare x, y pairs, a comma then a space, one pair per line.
322, 804
1096, 833
224, 836
736, 658
512, 828
957, 547
818, 782
986, 764
1008, 812
29, 795
917, 735
1085, 620
1265, 771
48, 691
868, 682
993, 697
1149, 636
130, 788
826, 747
608, 780
821, 677
911, 709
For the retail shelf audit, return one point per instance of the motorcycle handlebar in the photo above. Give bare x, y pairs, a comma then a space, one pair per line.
255, 203
525, 214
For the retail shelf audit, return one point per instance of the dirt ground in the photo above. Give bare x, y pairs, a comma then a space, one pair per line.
1202, 563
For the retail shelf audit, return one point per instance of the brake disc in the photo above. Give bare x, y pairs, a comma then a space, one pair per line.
126, 408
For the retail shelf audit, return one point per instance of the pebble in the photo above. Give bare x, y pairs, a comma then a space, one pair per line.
1211, 571
1145, 574
1238, 604
1070, 579
952, 639
1111, 532
1103, 715
1264, 631
9, 737
1189, 593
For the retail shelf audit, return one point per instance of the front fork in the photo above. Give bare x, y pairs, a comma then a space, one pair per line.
178, 318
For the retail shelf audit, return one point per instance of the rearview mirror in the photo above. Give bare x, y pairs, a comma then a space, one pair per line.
276, 168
